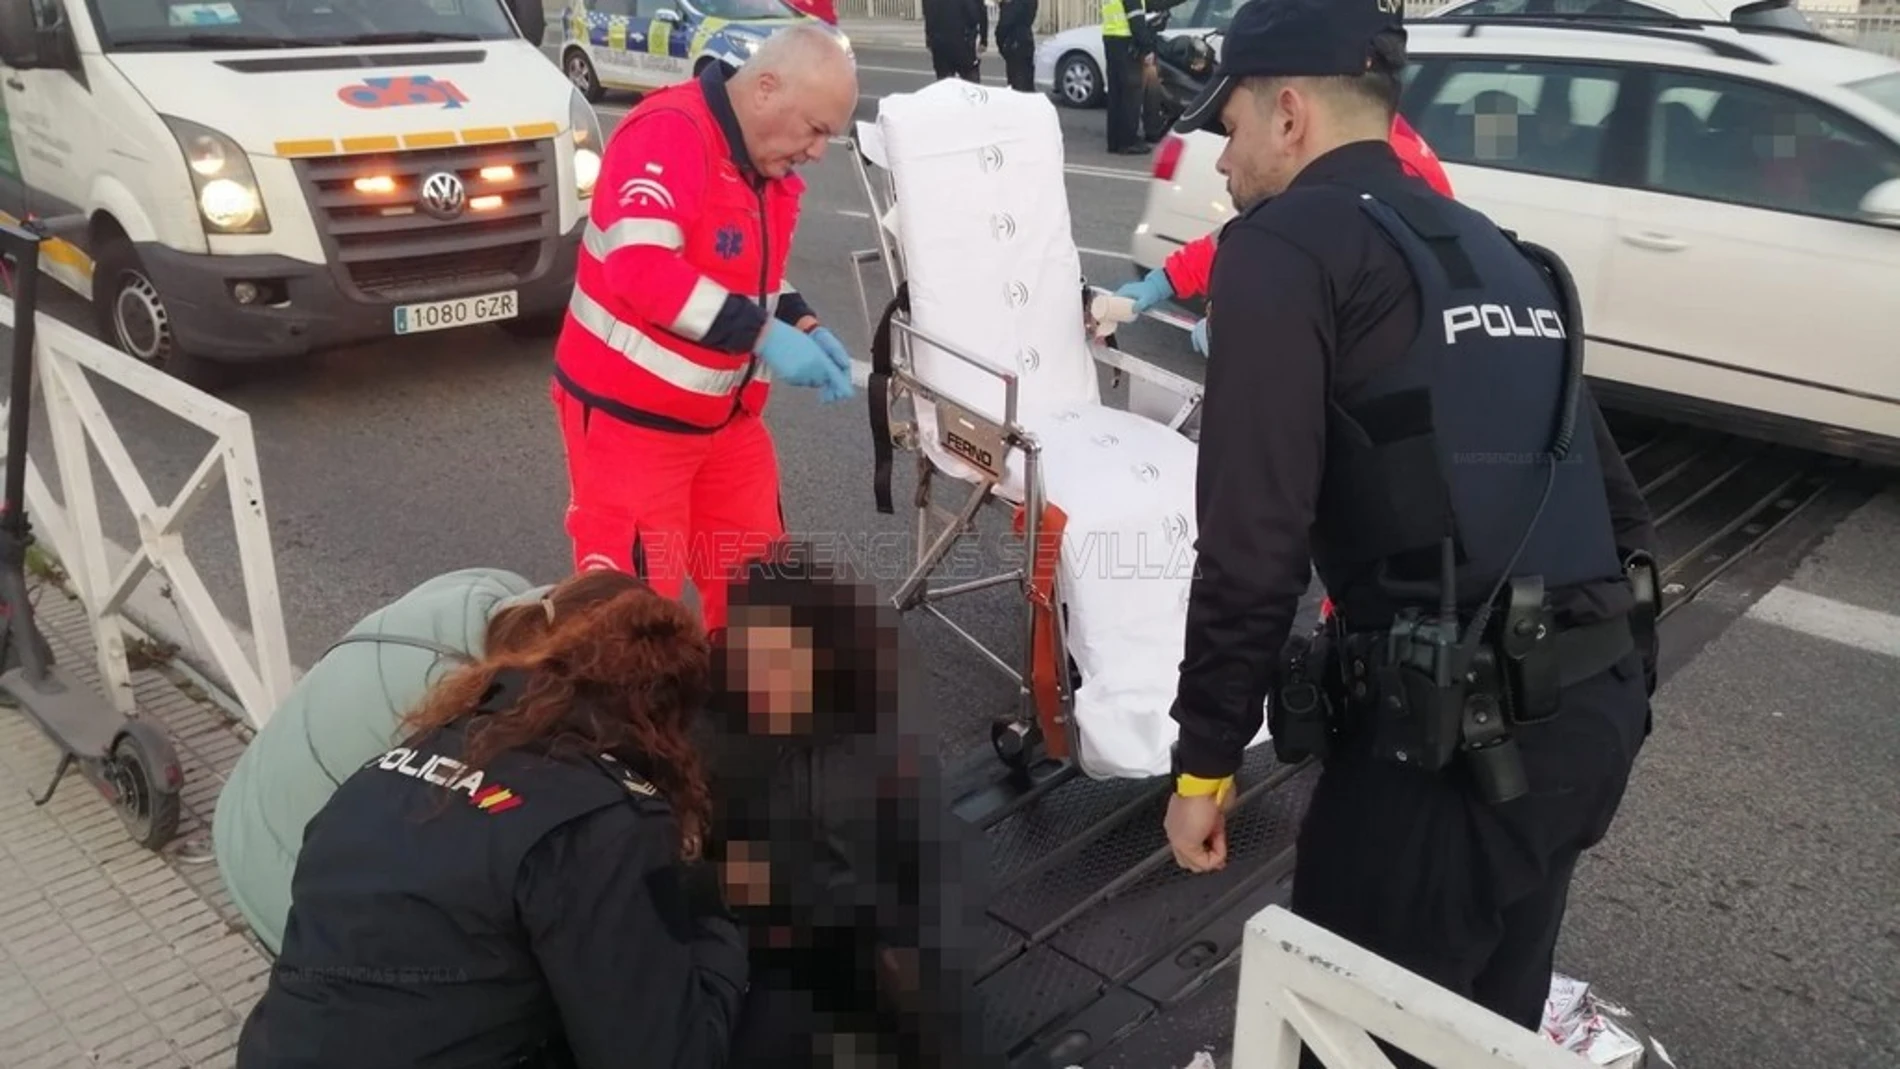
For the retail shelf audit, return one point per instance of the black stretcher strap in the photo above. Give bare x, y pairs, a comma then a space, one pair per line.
879, 393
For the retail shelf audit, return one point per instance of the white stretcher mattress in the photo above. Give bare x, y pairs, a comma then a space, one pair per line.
982, 219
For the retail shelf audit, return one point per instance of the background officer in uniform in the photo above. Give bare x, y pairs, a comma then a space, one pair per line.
518, 883
1128, 46
957, 32
1361, 416
1016, 43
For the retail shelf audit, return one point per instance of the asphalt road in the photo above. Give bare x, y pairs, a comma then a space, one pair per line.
387, 464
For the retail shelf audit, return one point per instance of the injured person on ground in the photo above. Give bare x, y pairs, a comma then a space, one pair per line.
860, 891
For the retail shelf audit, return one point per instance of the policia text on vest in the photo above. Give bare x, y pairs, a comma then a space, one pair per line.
1451, 684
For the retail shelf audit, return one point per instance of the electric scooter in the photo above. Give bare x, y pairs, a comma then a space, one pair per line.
131, 762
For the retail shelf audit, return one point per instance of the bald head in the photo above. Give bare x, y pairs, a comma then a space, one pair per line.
797, 92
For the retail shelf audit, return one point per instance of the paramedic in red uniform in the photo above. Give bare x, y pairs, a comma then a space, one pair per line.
681, 318
1186, 272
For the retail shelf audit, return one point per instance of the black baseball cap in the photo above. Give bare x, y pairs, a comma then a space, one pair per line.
1292, 39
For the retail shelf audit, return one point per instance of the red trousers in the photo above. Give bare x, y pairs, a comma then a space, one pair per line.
669, 506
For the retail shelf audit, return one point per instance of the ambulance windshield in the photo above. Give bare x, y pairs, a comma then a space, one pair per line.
229, 25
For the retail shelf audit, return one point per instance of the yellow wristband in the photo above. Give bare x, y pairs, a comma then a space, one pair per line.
1196, 787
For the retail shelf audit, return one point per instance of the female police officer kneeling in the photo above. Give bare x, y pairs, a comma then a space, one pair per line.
518, 883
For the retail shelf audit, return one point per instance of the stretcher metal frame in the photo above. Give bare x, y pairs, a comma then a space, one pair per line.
1020, 739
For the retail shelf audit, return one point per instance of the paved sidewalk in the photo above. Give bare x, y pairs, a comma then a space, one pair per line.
111, 955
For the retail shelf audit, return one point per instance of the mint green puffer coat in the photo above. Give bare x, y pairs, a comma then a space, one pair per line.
338, 717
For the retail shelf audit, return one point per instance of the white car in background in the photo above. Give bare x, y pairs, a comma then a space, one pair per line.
1738, 12
1728, 199
1070, 64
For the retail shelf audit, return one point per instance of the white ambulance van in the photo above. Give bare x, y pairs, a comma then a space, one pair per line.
260, 179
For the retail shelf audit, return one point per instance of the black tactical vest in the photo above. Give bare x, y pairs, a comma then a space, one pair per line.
404, 905
1456, 436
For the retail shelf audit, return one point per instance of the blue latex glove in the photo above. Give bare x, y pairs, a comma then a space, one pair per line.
1199, 336
1148, 291
796, 357
834, 349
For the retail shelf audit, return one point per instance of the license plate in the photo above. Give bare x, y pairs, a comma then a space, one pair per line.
461, 312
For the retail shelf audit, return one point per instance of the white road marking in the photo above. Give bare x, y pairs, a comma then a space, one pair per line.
849, 214
1826, 618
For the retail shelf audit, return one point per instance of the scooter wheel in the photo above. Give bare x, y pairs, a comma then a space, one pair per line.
144, 772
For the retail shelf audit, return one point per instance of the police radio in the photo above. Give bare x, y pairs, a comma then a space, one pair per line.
1441, 692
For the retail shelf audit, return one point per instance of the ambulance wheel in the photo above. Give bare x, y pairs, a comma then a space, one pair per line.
132, 316
581, 72
1018, 743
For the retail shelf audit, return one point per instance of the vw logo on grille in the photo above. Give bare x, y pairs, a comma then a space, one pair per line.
443, 195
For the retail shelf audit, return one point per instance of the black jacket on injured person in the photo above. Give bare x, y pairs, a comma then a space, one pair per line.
869, 937
534, 914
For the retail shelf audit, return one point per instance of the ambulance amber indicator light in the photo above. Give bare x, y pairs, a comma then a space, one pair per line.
374, 184
485, 204
501, 173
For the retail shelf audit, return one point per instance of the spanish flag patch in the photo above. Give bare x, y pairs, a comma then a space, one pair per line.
496, 799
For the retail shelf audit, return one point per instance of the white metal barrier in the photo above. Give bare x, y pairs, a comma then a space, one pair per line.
1301, 982
75, 533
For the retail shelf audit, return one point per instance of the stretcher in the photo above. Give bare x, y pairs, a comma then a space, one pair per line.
985, 366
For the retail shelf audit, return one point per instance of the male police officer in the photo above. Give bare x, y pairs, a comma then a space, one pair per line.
1390, 395
1128, 49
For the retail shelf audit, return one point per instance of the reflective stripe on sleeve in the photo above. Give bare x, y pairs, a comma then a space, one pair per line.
648, 354
627, 233
701, 308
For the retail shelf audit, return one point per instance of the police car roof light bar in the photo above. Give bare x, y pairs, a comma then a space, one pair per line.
1662, 29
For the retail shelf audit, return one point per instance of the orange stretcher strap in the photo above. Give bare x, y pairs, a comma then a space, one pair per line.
1046, 656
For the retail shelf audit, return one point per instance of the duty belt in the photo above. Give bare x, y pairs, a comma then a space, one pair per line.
1579, 653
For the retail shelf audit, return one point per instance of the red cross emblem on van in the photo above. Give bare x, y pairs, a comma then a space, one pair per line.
403, 91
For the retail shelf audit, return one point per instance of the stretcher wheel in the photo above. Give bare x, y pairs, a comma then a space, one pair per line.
1018, 743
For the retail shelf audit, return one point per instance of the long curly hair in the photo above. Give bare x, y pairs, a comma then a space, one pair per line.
611, 667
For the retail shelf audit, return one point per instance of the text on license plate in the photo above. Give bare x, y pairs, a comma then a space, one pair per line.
461, 312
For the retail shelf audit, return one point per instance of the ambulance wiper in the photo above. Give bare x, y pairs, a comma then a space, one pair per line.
410, 37
223, 41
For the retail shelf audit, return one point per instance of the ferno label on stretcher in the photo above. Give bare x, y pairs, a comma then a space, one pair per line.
976, 441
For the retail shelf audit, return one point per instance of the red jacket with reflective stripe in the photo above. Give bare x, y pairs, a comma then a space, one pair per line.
1192, 264
681, 265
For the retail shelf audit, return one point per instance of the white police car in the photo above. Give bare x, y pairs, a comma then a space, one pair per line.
640, 45
1728, 198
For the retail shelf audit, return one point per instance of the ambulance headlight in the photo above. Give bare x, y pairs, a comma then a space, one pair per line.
588, 145
229, 201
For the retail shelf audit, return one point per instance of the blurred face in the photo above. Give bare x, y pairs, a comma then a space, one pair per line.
788, 121
1266, 142
769, 661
